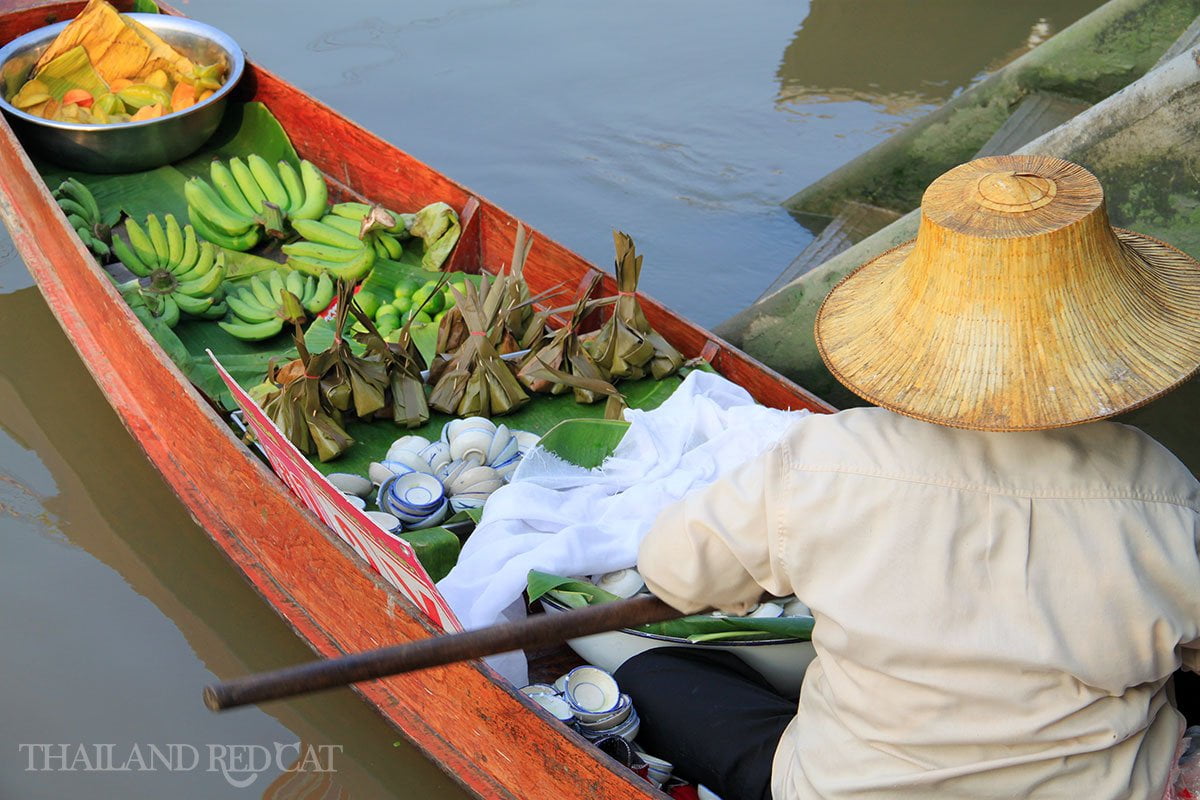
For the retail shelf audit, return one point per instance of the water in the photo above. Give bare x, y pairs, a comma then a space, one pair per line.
682, 123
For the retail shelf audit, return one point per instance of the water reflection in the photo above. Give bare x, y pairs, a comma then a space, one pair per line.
899, 55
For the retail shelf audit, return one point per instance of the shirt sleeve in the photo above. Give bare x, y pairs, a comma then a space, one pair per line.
716, 546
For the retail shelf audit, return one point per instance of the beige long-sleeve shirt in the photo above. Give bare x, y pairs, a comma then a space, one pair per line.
996, 613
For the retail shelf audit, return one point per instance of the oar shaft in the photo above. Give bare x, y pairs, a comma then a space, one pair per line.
540, 630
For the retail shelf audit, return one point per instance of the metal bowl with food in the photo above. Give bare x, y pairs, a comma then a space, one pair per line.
124, 146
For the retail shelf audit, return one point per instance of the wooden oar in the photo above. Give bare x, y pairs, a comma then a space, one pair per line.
540, 630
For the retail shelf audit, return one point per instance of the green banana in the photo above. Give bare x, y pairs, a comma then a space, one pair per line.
206, 229
204, 285
294, 283
342, 224
310, 289
174, 241
348, 270
127, 257
395, 250
324, 252
217, 311
249, 313
316, 193
76, 191
141, 243
191, 252
158, 239
78, 222
246, 182
268, 181
98, 247
168, 310
205, 258
322, 295
252, 332
227, 187
262, 292
196, 306
203, 199
275, 281
321, 233
70, 206
291, 182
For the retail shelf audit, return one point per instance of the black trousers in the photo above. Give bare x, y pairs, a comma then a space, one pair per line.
708, 713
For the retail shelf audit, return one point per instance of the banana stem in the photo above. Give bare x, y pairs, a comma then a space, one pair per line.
272, 220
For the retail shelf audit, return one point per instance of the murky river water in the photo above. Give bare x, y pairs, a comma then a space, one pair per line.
682, 123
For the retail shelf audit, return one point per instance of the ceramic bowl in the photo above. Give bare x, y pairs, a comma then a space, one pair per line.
385, 521
592, 690
414, 494
411, 444
622, 583
430, 519
355, 501
539, 688
557, 707
526, 441
348, 483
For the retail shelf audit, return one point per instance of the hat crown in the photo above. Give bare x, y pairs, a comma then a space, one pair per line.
1012, 192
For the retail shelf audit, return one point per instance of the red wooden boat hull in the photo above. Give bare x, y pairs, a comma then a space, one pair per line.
491, 738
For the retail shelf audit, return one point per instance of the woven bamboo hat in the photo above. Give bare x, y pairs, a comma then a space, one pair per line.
1017, 307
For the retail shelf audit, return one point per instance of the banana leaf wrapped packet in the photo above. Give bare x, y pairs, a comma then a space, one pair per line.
626, 346
293, 399
474, 380
560, 363
347, 379
403, 364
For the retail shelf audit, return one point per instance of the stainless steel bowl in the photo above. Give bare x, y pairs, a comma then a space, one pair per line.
124, 146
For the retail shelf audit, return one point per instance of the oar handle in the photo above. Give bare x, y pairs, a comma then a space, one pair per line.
540, 630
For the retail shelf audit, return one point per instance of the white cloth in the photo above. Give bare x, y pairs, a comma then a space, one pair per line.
565, 520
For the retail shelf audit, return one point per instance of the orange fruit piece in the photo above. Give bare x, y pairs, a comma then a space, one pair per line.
80, 97
118, 84
151, 111
183, 96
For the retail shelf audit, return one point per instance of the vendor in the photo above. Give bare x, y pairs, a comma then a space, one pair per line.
1003, 583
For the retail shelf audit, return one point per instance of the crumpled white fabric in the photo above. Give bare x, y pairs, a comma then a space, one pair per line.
558, 518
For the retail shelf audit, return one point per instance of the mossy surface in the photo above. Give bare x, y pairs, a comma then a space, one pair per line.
1089, 60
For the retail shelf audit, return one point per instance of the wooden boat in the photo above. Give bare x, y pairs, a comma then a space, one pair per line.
489, 737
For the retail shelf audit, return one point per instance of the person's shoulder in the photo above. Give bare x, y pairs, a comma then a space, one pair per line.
1098, 458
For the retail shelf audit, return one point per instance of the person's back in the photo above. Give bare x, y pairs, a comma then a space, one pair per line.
1059, 576
996, 613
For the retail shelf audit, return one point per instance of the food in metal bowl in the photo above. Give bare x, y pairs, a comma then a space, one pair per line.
110, 92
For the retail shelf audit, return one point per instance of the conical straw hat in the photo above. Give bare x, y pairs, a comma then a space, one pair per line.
1017, 307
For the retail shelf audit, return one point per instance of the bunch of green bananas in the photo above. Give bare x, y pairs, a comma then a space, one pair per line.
77, 202
383, 229
178, 272
331, 247
247, 197
260, 309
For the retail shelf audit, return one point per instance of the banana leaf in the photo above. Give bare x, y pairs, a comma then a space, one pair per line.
584, 442
697, 629
72, 70
437, 226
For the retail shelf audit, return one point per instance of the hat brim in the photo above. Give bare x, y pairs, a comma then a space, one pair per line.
1069, 360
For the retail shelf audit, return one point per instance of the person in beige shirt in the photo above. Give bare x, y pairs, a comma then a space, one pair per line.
1003, 583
